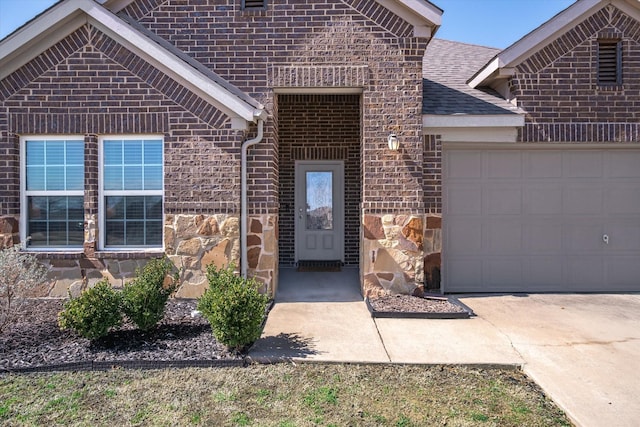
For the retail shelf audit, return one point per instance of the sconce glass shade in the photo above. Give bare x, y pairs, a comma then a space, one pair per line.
393, 142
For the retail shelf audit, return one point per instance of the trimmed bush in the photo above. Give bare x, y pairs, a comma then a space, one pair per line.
20, 276
144, 298
93, 313
234, 307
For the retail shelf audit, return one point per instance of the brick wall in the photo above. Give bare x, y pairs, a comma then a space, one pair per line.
99, 88
558, 86
319, 127
250, 49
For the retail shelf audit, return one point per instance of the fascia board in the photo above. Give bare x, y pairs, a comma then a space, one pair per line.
472, 120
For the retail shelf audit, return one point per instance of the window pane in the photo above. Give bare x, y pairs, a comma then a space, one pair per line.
135, 233
55, 152
76, 233
76, 209
37, 208
58, 233
153, 177
135, 207
113, 177
114, 234
115, 207
154, 233
154, 207
75, 153
35, 153
112, 152
133, 152
57, 208
35, 177
37, 233
133, 177
319, 200
75, 178
55, 178
153, 152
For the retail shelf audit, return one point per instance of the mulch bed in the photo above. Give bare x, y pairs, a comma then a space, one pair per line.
35, 340
427, 307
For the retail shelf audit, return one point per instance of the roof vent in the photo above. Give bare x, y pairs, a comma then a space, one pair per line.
609, 62
254, 4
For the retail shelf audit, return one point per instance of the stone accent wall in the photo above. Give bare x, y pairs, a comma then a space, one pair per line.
192, 242
559, 90
9, 232
392, 255
262, 245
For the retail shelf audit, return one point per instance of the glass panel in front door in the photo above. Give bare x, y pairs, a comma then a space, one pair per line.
319, 200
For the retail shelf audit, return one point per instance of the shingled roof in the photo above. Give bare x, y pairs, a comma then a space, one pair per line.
446, 67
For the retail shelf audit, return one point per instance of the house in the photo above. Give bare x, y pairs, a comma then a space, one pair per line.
272, 133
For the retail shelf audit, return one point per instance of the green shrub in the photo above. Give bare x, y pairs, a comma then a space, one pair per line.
20, 276
93, 313
234, 307
145, 297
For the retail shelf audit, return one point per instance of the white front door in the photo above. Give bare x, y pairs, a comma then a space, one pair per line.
319, 211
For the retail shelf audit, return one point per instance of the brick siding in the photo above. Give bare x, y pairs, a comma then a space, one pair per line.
558, 86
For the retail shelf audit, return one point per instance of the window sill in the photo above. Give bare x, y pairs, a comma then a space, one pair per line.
129, 254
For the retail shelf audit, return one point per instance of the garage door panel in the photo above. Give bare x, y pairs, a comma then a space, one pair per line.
466, 200
506, 164
503, 272
466, 273
464, 165
583, 199
543, 273
583, 164
533, 220
585, 272
583, 236
464, 236
623, 236
543, 199
623, 273
543, 164
623, 199
544, 236
503, 200
503, 236
624, 164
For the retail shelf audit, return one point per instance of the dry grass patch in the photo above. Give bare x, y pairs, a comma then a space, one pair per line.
281, 395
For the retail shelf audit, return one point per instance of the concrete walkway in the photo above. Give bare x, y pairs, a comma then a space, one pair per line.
583, 350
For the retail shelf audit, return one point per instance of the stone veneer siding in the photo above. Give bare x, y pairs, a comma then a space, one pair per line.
320, 127
559, 90
89, 85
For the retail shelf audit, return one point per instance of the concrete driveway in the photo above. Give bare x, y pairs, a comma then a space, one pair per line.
583, 350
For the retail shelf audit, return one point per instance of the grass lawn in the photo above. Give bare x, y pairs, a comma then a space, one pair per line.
283, 395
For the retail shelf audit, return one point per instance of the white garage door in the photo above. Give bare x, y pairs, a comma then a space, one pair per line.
541, 220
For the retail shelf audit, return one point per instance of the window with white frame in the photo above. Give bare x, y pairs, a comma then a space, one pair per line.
52, 192
131, 193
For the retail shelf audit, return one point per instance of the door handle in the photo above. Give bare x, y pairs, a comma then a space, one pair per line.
605, 238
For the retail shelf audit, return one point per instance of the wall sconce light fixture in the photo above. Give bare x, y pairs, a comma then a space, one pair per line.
393, 142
